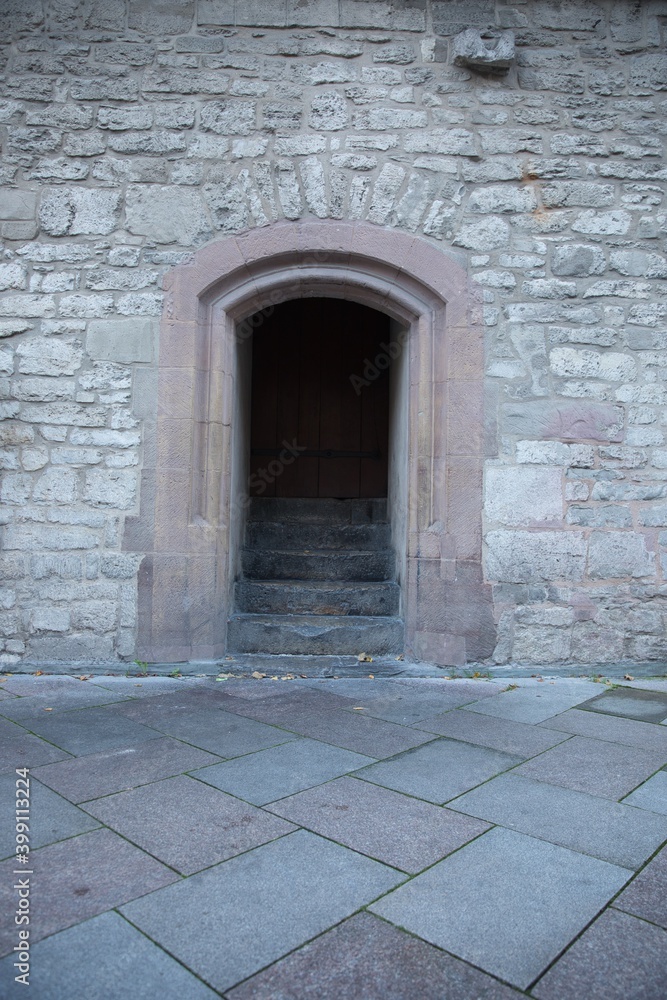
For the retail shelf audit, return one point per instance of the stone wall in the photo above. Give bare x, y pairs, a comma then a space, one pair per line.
135, 131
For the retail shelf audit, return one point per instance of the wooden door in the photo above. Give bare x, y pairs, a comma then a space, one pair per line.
320, 402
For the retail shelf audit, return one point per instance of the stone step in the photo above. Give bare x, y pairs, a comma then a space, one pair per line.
317, 535
294, 597
291, 564
322, 509
314, 635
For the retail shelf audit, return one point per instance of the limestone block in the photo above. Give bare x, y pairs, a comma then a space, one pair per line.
166, 17
517, 495
79, 211
167, 215
535, 556
111, 488
39, 356
98, 616
493, 54
540, 644
594, 643
577, 260
47, 619
564, 194
619, 554
17, 204
555, 453
328, 112
501, 198
57, 486
614, 223
452, 141
487, 234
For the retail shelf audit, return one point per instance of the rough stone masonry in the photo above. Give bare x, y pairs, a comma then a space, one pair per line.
135, 131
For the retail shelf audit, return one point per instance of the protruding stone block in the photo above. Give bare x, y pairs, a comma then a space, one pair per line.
493, 54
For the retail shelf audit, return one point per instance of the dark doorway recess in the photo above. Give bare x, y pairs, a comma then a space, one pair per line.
320, 401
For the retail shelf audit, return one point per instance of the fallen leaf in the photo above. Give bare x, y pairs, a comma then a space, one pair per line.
400, 657
84, 677
359, 708
48, 709
628, 677
256, 674
364, 658
39, 673
303, 675
372, 676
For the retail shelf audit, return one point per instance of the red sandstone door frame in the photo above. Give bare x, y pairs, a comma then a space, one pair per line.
192, 502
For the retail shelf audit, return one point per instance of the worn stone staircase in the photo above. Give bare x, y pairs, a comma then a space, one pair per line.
317, 580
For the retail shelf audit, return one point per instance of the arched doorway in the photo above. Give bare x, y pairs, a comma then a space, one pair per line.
194, 496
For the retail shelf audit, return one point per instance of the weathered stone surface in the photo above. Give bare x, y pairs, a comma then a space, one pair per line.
619, 554
493, 55
79, 211
125, 340
524, 496
530, 557
167, 215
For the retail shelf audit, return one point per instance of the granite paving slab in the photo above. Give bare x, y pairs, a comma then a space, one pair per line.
399, 830
440, 770
402, 703
116, 770
651, 795
58, 700
89, 730
77, 879
497, 734
52, 817
535, 703
152, 709
283, 770
42, 684
5, 694
283, 709
585, 823
614, 729
351, 730
365, 958
646, 895
220, 732
606, 769
187, 824
643, 706
19, 749
146, 687
616, 958
104, 957
260, 905
506, 902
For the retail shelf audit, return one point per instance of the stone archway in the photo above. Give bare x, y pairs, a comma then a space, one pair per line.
190, 520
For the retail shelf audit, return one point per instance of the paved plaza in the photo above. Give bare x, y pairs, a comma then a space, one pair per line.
369, 837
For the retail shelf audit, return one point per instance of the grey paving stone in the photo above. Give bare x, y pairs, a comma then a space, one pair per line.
582, 822
186, 824
644, 706
5, 694
646, 895
89, 730
42, 684
351, 730
507, 903
143, 687
440, 770
394, 828
617, 958
283, 770
535, 703
401, 703
487, 731
644, 735
102, 958
283, 709
651, 795
220, 732
79, 878
155, 708
260, 905
116, 770
19, 749
606, 769
51, 818
368, 959
59, 699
